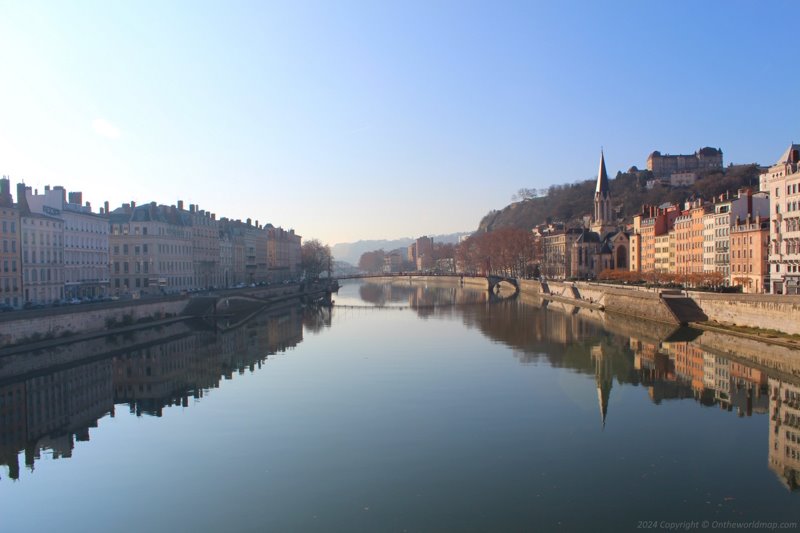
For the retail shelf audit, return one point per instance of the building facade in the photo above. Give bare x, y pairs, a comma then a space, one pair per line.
86, 267
749, 252
782, 181
151, 250
10, 266
666, 165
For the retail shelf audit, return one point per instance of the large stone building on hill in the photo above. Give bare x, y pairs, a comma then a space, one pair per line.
663, 166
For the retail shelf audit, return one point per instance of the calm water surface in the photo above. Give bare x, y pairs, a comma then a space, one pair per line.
404, 408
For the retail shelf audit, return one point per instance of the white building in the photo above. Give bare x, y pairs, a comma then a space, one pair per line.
86, 271
782, 180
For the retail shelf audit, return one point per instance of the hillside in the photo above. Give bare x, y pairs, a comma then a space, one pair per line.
569, 203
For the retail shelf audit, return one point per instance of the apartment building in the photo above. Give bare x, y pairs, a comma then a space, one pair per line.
86, 267
782, 181
749, 253
10, 267
151, 250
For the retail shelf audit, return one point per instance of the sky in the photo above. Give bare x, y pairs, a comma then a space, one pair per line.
381, 120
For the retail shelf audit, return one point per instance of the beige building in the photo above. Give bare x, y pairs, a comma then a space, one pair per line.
749, 251
151, 250
206, 255
782, 181
42, 258
10, 267
784, 432
666, 165
232, 253
283, 253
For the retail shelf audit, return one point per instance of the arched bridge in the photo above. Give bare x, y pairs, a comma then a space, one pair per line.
493, 281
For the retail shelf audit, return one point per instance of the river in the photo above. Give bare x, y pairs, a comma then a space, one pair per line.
404, 407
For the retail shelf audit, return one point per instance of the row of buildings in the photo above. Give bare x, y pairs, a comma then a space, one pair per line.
55, 247
749, 239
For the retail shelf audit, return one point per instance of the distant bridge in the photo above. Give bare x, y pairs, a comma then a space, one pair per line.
493, 281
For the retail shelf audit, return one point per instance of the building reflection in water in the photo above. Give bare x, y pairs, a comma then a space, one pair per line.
671, 365
45, 412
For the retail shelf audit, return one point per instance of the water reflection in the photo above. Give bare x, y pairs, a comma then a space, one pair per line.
44, 409
50, 400
672, 364
423, 297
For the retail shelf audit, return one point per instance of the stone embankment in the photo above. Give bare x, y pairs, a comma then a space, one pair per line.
64, 323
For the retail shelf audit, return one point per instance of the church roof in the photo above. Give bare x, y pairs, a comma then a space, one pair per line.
602, 176
589, 236
788, 154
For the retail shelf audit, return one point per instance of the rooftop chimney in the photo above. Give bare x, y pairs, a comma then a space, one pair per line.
76, 198
180, 205
133, 205
191, 208
105, 205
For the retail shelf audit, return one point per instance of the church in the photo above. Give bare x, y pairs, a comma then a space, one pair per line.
604, 245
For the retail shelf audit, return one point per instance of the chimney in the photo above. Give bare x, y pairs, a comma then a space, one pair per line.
46, 189
5, 193
133, 205
89, 206
76, 198
249, 221
180, 205
22, 198
191, 208
256, 223
213, 216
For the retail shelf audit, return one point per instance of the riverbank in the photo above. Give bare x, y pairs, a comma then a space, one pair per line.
58, 325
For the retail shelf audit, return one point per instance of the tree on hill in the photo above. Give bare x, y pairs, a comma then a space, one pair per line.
570, 202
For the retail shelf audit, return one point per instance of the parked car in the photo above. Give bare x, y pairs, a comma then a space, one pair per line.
5, 308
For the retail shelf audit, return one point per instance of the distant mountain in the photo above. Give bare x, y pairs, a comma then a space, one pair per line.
350, 252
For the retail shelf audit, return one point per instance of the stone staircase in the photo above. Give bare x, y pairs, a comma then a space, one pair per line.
683, 308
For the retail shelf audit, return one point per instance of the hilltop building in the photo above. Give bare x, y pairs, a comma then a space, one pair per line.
664, 166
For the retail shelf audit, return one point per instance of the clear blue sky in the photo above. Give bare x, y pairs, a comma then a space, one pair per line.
360, 120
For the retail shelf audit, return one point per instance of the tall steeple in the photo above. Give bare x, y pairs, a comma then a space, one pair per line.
604, 379
602, 177
602, 221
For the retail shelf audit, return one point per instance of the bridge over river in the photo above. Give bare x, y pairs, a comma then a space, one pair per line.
491, 283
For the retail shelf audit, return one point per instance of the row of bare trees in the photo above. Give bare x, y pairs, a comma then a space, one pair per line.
687, 279
505, 251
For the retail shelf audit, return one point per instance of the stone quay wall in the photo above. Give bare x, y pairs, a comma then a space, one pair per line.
766, 311
61, 321
640, 304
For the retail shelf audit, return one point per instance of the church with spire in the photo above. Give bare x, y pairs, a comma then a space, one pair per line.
603, 245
